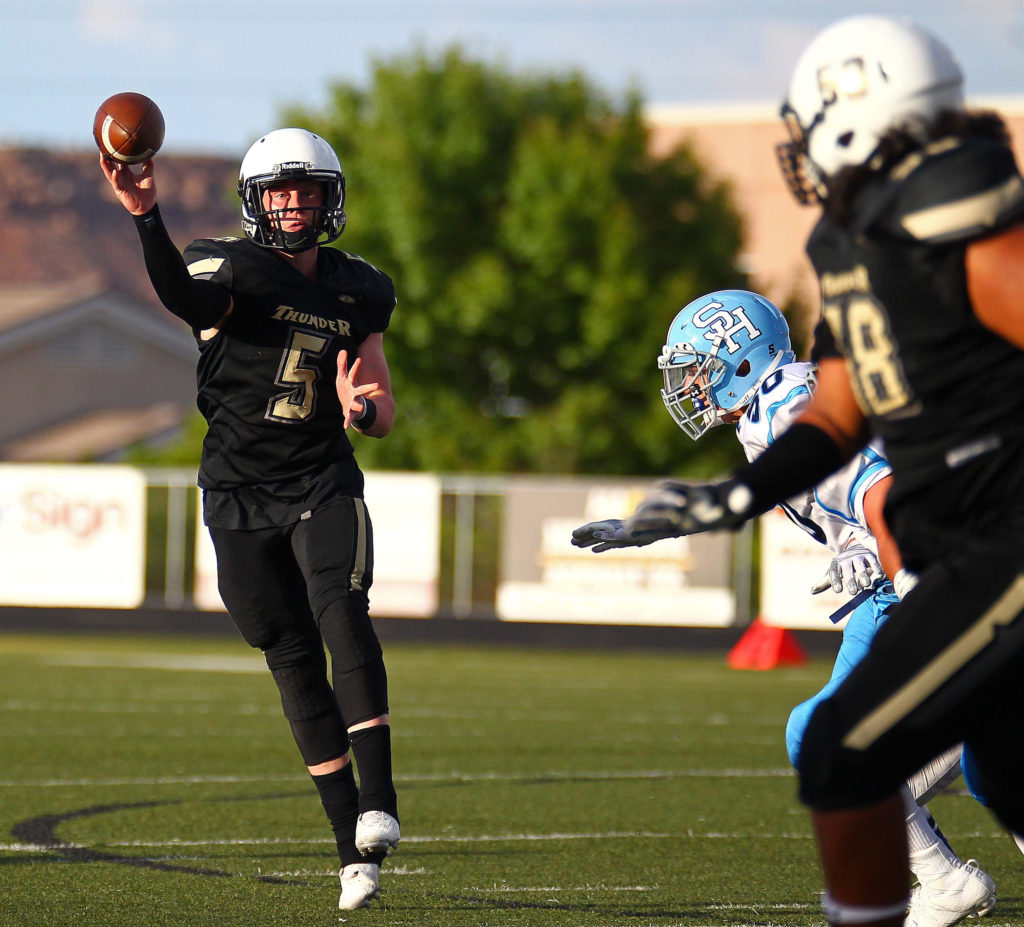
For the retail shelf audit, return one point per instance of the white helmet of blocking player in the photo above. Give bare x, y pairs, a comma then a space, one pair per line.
859, 78
291, 154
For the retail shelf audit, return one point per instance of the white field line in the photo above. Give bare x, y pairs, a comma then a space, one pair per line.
142, 708
554, 889
190, 663
191, 703
424, 839
454, 776
689, 834
220, 708
333, 873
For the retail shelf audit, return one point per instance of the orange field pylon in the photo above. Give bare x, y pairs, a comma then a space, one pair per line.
764, 646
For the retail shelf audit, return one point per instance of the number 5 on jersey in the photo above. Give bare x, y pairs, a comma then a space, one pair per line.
296, 373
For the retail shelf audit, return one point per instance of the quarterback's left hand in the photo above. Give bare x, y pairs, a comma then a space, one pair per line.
689, 508
349, 393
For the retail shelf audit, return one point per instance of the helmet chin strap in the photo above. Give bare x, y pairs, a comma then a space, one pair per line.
297, 241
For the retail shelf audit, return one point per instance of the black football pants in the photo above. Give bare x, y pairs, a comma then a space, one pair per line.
948, 666
289, 591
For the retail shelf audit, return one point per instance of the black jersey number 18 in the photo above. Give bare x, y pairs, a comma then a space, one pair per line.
880, 381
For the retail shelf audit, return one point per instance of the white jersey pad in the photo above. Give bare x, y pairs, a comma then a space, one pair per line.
833, 512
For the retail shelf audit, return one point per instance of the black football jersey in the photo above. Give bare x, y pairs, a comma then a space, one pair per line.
937, 386
266, 381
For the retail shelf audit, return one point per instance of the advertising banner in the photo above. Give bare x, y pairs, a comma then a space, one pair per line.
72, 536
791, 563
677, 581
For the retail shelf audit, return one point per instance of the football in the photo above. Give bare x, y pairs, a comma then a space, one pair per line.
128, 128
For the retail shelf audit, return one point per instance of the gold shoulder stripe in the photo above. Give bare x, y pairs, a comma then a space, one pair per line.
982, 210
205, 266
912, 162
905, 700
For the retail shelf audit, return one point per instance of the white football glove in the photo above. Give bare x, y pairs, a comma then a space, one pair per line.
856, 568
610, 534
904, 581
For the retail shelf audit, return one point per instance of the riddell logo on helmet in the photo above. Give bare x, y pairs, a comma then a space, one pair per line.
292, 166
722, 324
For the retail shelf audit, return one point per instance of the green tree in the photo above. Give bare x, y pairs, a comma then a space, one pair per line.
539, 252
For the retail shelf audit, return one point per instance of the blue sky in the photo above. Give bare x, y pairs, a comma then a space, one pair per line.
222, 70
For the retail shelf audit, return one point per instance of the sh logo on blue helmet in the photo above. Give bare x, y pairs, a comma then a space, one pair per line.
722, 324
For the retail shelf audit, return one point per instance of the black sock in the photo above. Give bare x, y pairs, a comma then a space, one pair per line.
371, 749
340, 798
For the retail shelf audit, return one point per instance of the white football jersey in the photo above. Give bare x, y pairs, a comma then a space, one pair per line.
833, 513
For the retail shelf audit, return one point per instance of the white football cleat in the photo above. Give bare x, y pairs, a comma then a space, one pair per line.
359, 885
966, 892
376, 832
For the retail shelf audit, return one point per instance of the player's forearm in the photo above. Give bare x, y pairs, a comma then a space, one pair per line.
796, 461
874, 505
200, 303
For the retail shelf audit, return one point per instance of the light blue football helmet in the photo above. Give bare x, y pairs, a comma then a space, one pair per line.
720, 348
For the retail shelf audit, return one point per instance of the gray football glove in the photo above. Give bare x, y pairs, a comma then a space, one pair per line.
608, 535
856, 568
674, 509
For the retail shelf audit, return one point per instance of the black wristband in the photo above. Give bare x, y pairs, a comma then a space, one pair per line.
368, 416
798, 460
149, 221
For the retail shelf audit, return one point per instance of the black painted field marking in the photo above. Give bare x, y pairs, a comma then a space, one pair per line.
41, 832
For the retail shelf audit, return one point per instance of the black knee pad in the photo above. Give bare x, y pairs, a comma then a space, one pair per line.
311, 709
348, 632
321, 739
305, 691
834, 777
362, 692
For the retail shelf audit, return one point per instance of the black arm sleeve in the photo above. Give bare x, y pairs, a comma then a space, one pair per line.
201, 303
797, 460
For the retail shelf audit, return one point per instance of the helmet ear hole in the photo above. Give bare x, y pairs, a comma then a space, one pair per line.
743, 369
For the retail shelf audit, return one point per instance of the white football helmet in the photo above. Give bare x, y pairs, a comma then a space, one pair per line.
859, 78
291, 154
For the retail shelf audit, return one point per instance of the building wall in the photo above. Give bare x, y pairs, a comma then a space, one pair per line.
737, 145
85, 368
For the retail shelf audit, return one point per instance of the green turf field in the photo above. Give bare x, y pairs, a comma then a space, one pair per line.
152, 781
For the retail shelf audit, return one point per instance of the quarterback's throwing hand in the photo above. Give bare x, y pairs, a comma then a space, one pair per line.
674, 509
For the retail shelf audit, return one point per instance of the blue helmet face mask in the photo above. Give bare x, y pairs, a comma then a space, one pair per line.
718, 351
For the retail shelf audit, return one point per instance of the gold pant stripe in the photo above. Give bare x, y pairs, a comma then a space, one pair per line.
916, 690
359, 567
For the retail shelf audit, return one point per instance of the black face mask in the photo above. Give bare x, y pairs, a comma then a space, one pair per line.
261, 225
